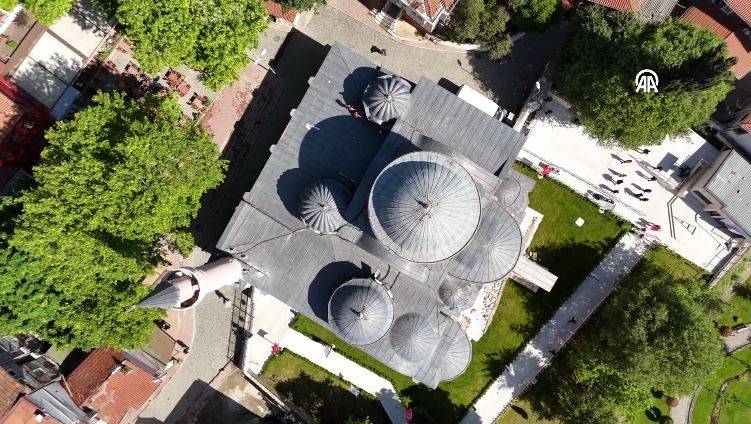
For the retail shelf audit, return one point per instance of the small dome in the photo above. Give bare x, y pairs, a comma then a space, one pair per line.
508, 191
457, 357
424, 206
361, 311
414, 337
493, 253
385, 98
454, 293
321, 205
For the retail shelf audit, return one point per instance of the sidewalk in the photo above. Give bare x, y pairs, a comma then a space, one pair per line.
685, 229
336, 364
271, 319
358, 11
553, 336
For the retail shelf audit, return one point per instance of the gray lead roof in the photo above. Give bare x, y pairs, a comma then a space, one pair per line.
386, 97
321, 205
302, 269
731, 185
361, 311
424, 206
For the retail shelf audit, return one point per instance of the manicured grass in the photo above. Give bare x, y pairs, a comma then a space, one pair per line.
730, 410
521, 412
318, 392
567, 250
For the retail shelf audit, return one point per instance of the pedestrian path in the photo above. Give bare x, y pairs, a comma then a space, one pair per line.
326, 358
551, 338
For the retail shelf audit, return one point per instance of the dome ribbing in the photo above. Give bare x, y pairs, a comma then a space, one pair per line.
385, 98
454, 293
414, 337
321, 204
424, 206
361, 311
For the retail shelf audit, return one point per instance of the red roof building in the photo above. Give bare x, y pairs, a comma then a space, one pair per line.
742, 8
646, 10
277, 12
10, 391
116, 389
25, 412
729, 27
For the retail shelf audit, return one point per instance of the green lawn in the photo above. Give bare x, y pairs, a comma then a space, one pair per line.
318, 392
731, 411
521, 412
738, 309
567, 250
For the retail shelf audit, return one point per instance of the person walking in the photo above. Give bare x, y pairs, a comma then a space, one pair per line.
572, 320
652, 178
643, 151
637, 195
643, 199
618, 182
646, 190
624, 161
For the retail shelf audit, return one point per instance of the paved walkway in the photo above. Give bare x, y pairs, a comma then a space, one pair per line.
738, 340
337, 364
271, 319
686, 230
551, 338
508, 82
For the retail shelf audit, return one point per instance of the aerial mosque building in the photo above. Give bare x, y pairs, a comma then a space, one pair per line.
381, 226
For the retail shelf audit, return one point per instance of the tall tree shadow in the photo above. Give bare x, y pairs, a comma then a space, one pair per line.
327, 402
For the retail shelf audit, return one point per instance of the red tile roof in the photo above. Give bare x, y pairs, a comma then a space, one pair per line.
746, 124
24, 412
10, 390
277, 11
10, 114
126, 391
92, 373
709, 16
742, 8
618, 4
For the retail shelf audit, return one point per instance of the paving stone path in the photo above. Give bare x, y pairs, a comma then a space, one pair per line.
537, 354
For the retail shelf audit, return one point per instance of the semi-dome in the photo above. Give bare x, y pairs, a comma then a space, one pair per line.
454, 293
424, 206
508, 191
457, 357
321, 204
494, 252
414, 337
385, 98
361, 311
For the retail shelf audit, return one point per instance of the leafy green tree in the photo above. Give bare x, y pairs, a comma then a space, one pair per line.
114, 183
595, 72
654, 332
48, 11
300, 4
533, 15
210, 35
475, 21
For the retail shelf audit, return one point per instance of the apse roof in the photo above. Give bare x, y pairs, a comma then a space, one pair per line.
454, 293
424, 206
493, 252
456, 358
386, 97
414, 337
361, 311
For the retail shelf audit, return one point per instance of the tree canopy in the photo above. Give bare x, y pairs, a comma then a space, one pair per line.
46, 11
114, 184
655, 332
475, 21
533, 15
212, 35
596, 68
300, 4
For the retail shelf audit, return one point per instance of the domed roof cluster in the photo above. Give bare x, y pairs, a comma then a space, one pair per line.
385, 98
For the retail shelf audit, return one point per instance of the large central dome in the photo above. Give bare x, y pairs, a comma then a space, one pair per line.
424, 206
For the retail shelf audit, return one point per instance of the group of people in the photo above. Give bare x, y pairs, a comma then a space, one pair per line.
641, 194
